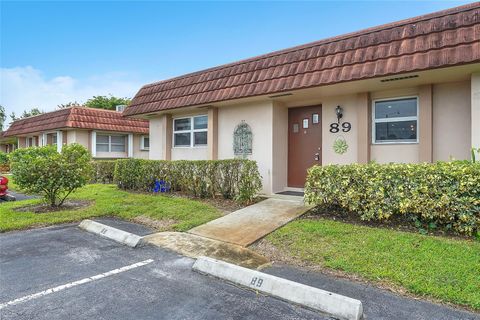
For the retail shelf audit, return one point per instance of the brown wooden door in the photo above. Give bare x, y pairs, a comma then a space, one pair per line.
304, 142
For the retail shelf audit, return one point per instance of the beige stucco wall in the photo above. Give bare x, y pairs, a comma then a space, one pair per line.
78, 136
260, 118
475, 112
157, 141
138, 153
349, 106
279, 147
451, 121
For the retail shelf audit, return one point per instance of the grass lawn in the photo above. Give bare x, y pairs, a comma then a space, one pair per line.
438, 267
109, 201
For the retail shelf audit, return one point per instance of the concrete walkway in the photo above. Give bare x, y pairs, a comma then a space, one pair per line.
247, 225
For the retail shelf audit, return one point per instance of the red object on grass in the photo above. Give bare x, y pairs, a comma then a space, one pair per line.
3, 186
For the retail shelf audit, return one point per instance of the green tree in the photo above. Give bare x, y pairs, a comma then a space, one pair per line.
3, 117
69, 105
44, 171
33, 112
104, 102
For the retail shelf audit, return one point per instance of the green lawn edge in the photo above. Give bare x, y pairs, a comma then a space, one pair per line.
441, 268
108, 200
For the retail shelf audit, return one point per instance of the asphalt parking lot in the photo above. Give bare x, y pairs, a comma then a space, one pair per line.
63, 272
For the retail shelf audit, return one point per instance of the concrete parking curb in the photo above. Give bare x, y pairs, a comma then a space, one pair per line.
126, 238
336, 305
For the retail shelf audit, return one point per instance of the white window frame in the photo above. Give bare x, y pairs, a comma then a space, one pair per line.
412, 118
142, 143
30, 139
191, 131
110, 142
54, 134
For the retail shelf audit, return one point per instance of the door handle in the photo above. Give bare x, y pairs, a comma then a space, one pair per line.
317, 156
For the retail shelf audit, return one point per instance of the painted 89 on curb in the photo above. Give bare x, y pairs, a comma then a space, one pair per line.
256, 282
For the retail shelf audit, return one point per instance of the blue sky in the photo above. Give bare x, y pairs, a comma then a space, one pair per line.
56, 52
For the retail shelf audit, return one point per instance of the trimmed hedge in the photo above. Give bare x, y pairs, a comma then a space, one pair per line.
441, 195
103, 171
236, 179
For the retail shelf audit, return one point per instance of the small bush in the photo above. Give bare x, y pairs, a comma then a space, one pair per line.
4, 162
44, 171
443, 195
233, 179
103, 171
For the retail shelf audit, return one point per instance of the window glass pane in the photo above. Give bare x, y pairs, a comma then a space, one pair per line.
118, 139
200, 122
396, 108
102, 147
181, 124
200, 138
182, 139
54, 138
118, 148
397, 130
146, 143
102, 139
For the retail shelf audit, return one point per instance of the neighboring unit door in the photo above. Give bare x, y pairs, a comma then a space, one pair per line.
304, 142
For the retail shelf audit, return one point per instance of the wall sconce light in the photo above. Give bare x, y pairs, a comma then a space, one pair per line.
339, 113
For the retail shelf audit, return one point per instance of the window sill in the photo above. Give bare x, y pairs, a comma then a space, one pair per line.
189, 147
396, 142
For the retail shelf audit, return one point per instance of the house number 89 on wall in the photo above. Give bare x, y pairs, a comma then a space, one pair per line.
335, 127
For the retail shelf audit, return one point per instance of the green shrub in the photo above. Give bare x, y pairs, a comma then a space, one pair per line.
233, 179
4, 162
103, 171
4, 159
443, 194
44, 171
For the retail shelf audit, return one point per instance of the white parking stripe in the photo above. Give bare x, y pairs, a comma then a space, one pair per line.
75, 283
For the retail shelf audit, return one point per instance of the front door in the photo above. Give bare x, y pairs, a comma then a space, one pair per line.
304, 142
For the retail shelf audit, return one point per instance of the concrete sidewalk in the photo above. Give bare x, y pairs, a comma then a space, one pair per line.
247, 225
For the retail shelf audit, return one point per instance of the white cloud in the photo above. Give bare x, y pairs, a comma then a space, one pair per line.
22, 88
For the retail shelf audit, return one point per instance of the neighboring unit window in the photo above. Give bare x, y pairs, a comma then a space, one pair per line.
395, 120
111, 143
190, 132
54, 139
30, 141
145, 144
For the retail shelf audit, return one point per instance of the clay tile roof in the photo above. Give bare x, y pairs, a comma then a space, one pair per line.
77, 117
446, 38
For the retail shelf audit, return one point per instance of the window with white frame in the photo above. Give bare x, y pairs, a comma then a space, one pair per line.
54, 139
30, 141
190, 131
111, 143
145, 143
395, 120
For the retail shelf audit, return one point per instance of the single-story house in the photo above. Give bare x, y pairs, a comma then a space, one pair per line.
7, 144
405, 92
106, 134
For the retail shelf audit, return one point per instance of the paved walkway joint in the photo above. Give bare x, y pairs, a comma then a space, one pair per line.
245, 226
194, 246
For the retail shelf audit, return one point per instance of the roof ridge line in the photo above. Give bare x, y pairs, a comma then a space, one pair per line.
386, 26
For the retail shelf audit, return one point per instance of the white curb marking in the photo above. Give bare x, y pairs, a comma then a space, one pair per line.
339, 306
127, 238
75, 283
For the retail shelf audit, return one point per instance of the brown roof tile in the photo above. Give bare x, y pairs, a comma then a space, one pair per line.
446, 38
77, 117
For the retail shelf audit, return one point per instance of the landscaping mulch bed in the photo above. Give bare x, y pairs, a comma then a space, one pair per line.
157, 225
45, 208
225, 206
393, 223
